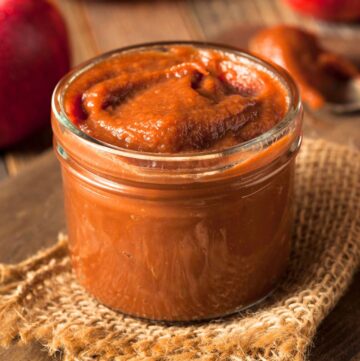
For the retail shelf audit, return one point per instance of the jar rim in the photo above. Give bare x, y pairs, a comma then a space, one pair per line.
268, 137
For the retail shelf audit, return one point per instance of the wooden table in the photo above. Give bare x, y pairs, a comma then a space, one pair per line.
98, 26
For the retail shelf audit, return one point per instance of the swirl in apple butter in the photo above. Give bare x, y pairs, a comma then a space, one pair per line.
181, 99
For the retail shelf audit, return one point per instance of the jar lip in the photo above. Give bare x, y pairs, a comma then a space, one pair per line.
266, 138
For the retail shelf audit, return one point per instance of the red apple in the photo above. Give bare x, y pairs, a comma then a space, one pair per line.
34, 55
335, 10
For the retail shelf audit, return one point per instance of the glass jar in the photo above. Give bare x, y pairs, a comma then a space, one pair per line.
184, 236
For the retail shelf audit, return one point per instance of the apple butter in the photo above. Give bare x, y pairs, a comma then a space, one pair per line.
178, 170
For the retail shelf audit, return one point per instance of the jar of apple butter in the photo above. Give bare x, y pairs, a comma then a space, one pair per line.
178, 172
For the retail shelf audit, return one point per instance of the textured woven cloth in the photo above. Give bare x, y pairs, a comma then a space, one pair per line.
40, 299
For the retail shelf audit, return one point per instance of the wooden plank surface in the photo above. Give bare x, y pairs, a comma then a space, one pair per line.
3, 170
31, 219
127, 25
31, 209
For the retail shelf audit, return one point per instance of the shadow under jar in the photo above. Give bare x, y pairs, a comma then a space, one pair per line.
179, 236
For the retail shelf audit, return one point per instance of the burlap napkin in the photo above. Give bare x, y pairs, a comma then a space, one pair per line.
40, 299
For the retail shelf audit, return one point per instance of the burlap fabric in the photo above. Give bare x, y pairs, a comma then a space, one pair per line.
40, 299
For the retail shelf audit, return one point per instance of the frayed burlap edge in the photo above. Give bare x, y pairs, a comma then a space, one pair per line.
40, 299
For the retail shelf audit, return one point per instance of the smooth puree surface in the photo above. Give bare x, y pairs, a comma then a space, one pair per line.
175, 99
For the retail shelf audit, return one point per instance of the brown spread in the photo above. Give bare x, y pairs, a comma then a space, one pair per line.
178, 100
181, 239
321, 75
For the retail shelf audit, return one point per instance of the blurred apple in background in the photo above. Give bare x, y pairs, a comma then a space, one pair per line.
34, 55
333, 10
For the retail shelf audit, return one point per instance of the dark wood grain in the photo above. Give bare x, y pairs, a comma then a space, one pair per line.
31, 209
3, 171
217, 16
338, 338
130, 23
20, 155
